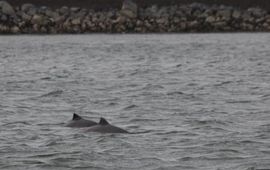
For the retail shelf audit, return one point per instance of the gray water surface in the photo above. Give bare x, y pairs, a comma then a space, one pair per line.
194, 101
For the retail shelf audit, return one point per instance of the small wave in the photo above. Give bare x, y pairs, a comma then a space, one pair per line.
16, 123
266, 96
141, 132
238, 101
175, 93
112, 104
209, 121
55, 93
45, 78
222, 83
152, 87
46, 155
131, 107
146, 120
229, 150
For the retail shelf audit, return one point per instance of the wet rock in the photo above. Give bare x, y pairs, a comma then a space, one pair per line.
6, 8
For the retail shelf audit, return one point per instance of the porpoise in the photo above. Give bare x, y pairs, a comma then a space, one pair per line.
105, 127
79, 122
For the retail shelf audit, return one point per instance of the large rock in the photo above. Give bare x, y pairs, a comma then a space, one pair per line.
51, 14
129, 9
210, 19
257, 12
198, 6
26, 7
75, 9
225, 14
6, 8
163, 21
59, 20
37, 19
26, 17
3, 18
246, 16
29, 9
64, 10
164, 12
76, 21
151, 11
15, 30
236, 14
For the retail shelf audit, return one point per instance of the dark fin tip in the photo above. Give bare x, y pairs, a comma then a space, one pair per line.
76, 117
103, 121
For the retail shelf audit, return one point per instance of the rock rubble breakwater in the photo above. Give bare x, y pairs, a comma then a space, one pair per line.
195, 17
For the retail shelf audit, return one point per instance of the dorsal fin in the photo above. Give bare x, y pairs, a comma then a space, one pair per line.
76, 117
103, 121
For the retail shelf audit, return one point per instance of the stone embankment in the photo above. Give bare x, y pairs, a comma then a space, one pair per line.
130, 18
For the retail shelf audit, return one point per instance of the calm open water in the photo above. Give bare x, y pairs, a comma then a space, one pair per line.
194, 101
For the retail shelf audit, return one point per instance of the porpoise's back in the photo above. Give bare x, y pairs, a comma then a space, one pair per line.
104, 127
78, 122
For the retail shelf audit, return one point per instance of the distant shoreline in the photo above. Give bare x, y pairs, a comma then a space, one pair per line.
130, 17
106, 4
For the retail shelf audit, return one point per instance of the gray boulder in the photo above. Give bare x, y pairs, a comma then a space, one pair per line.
76, 21
225, 14
29, 9
15, 29
3, 17
26, 7
26, 17
75, 9
129, 9
37, 19
6, 8
210, 19
246, 16
236, 14
64, 10
257, 12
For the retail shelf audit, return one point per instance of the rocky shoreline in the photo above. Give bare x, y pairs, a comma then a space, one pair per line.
195, 17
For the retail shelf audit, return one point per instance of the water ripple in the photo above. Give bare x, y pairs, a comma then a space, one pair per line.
191, 101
